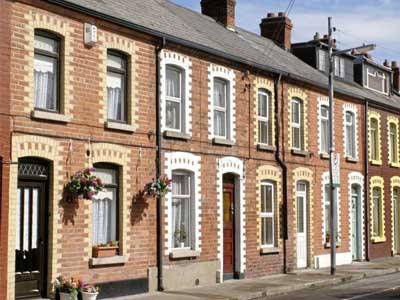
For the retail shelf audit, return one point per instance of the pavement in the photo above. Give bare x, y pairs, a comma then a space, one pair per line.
280, 284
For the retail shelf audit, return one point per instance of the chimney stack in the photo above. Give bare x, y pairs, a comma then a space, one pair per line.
277, 28
223, 11
396, 76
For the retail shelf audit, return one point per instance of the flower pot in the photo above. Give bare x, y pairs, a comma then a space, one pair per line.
65, 296
89, 296
104, 251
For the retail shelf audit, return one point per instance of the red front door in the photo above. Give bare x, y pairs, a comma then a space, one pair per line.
229, 232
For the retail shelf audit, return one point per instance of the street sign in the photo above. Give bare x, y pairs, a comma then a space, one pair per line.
336, 169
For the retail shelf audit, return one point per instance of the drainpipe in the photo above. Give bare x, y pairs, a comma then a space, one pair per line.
160, 284
366, 180
283, 166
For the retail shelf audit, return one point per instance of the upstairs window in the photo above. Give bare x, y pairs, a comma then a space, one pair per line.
350, 135
374, 139
116, 86
339, 67
393, 146
46, 71
377, 80
267, 214
175, 106
322, 60
221, 109
324, 115
297, 124
264, 125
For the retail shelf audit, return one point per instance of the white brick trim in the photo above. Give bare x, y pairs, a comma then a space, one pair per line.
357, 178
235, 166
351, 108
182, 62
192, 163
215, 71
325, 181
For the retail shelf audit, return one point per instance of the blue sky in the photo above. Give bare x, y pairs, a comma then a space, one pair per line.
367, 21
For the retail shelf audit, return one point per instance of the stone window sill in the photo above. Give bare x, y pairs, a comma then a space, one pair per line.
176, 135
300, 152
378, 239
183, 253
324, 155
395, 165
50, 116
376, 162
119, 126
104, 261
266, 148
351, 160
269, 250
223, 142
328, 245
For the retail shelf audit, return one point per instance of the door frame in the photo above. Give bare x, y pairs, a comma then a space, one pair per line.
304, 194
359, 220
231, 188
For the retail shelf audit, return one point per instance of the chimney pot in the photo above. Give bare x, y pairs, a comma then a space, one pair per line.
223, 11
386, 63
394, 64
317, 36
277, 29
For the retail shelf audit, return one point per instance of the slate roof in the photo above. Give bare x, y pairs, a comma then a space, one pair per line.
182, 25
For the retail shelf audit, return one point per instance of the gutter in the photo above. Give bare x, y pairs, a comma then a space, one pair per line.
366, 181
160, 283
282, 164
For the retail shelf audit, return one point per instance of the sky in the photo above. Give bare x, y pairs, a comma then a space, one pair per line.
356, 21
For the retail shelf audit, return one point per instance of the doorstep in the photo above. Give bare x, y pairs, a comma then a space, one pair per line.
273, 285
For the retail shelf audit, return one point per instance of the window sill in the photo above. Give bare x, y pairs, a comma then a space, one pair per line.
50, 116
300, 152
328, 245
378, 239
324, 155
376, 162
394, 165
223, 142
351, 160
119, 126
104, 261
183, 253
266, 148
269, 250
176, 135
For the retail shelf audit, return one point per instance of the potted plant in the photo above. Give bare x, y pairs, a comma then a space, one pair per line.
66, 288
105, 250
84, 184
89, 292
180, 236
158, 187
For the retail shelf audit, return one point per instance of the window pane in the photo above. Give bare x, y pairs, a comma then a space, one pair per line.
296, 139
115, 61
267, 229
104, 207
45, 75
300, 214
181, 210
46, 44
267, 198
219, 123
219, 93
262, 105
173, 115
295, 112
263, 132
173, 82
107, 176
116, 96
324, 136
180, 184
327, 213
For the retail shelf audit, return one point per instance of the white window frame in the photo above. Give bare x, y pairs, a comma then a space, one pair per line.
322, 60
297, 125
263, 119
225, 109
393, 145
352, 126
180, 101
324, 119
380, 75
380, 213
192, 235
268, 214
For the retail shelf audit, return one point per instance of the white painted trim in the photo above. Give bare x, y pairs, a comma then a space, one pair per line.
235, 166
182, 62
322, 101
325, 181
191, 163
216, 71
351, 108
324, 261
356, 178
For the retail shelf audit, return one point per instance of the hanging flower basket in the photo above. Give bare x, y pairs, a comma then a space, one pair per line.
158, 187
84, 184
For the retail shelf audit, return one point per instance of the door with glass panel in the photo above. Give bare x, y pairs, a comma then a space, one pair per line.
356, 222
396, 220
229, 231
30, 243
301, 203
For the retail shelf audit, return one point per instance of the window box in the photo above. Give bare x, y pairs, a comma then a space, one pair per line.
266, 148
183, 253
176, 135
269, 250
300, 152
50, 116
223, 142
107, 251
103, 261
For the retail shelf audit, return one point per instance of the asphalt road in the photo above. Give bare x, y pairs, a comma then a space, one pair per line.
378, 288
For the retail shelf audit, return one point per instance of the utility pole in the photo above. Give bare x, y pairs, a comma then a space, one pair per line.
332, 198
334, 160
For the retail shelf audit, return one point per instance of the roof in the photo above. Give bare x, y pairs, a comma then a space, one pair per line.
181, 25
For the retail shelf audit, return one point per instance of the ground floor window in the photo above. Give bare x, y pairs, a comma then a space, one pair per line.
267, 214
377, 212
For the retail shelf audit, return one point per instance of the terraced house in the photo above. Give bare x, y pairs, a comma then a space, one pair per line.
237, 120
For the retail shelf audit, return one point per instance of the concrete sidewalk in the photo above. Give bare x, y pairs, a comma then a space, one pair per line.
260, 288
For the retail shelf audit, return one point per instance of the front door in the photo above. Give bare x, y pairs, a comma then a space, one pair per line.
30, 248
355, 223
301, 201
396, 220
229, 232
